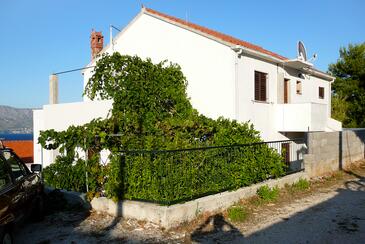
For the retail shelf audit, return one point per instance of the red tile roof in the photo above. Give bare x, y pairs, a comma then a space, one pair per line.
216, 34
24, 149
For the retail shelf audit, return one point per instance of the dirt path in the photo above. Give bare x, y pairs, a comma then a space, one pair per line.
333, 211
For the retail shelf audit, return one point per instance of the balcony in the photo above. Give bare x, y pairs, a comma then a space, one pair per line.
301, 117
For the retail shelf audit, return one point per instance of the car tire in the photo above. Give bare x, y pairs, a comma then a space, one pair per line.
6, 238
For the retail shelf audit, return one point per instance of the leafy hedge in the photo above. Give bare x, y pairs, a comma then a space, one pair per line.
66, 173
169, 176
151, 111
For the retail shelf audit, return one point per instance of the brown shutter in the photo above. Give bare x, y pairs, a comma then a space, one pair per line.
257, 86
260, 86
263, 87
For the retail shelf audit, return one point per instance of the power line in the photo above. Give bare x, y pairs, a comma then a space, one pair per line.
115, 28
72, 70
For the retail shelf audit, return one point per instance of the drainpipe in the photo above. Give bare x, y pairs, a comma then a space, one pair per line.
53, 89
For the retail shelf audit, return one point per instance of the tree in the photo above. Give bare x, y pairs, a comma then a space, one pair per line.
348, 100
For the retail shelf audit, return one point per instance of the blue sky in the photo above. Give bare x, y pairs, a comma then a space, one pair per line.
40, 37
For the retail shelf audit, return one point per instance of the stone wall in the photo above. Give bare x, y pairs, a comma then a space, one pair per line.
331, 151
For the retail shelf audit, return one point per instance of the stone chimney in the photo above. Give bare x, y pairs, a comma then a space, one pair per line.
96, 43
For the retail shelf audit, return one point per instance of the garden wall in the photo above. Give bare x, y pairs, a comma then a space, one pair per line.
174, 215
332, 151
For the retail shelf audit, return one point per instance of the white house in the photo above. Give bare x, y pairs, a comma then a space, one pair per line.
284, 98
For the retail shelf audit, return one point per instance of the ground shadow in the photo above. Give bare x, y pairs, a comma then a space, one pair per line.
340, 219
119, 210
216, 228
58, 212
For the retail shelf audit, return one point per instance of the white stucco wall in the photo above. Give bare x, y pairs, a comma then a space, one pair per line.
310, 85
207, 64
38, 125
59, 117
301, 117
304, 110
219, 83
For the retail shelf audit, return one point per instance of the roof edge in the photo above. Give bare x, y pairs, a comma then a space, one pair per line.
227, 40
212, 34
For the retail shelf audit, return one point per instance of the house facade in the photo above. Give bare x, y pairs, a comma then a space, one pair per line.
283, 98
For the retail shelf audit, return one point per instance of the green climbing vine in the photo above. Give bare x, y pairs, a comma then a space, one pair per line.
151, 111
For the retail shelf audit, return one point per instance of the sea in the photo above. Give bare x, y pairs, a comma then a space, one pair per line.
16, 137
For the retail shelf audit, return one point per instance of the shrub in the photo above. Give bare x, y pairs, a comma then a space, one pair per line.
237, 213
67, 174
185, 175
268, 194
301, 185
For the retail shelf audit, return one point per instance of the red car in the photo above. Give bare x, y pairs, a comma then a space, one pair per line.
21, 193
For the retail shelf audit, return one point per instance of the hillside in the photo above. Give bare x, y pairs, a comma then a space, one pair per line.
16, 120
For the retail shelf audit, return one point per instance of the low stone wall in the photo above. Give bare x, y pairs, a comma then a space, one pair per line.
170, 216
332, 151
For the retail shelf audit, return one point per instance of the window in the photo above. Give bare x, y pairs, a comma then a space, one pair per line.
299, 87
321, 92
4, 175
260, 86
18, 169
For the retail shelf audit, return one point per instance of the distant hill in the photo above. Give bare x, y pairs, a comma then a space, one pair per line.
16, 120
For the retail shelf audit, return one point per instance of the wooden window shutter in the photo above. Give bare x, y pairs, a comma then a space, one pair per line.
260, 86
263, 87
257, 86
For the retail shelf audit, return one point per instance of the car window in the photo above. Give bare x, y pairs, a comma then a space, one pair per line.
17, 168
4, 175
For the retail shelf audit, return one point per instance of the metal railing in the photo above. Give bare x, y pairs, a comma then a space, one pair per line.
197, 172
292, 152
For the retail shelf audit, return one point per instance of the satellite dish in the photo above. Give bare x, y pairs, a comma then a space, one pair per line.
302, 54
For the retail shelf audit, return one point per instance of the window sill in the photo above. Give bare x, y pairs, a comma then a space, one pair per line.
258, 101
